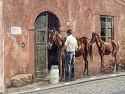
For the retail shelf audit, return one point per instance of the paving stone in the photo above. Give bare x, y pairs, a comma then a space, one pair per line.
106, 86
103, 84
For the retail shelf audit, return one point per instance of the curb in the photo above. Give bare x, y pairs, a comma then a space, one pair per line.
78, 81
1, 90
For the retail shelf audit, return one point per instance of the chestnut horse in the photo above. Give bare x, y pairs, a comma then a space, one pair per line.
84, 51
105, 48
55, 37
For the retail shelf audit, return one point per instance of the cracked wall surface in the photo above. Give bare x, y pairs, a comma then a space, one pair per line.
83, 16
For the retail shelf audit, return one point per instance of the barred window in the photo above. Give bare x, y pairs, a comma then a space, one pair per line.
107, 28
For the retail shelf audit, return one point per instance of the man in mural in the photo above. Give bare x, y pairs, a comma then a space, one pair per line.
70, 46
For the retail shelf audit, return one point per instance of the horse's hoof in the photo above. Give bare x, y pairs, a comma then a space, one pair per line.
63, 80
101, 73
83, 76
86, 76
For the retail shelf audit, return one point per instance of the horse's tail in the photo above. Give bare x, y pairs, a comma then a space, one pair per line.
90, 52
78, 53
115, 46
78, 43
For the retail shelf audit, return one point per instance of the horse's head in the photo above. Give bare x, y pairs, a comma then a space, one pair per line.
52, 38
93, 39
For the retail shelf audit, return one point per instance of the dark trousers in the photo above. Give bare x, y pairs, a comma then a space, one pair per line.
70, 64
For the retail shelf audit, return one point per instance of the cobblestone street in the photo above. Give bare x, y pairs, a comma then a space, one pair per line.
100, 86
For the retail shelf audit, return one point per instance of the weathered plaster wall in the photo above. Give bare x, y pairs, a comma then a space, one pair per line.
83, 16
16, 57
1, 50
121, 34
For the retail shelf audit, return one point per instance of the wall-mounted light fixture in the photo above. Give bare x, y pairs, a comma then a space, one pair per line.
23, 44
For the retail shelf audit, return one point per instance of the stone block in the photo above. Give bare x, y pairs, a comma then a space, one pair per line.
22, 80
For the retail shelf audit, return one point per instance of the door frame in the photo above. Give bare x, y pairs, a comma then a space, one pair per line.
31, 29
42, 23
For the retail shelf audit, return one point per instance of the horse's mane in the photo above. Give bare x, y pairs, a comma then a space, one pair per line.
98, 36
59, 35
84, 37
61, 38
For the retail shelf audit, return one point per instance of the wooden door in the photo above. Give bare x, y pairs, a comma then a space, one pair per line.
41, 36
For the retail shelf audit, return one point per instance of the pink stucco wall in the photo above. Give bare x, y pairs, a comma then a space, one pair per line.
83, 16
1, 50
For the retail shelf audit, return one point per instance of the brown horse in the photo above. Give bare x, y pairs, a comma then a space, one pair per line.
55, 37
84, 51
105, 48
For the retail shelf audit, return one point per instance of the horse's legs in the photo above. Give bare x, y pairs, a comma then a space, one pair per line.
60, 68
60, 63
102, 63
84, 68
85, 73
63, 68
115, 69
87, 67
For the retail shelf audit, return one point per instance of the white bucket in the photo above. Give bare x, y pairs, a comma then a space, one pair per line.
54, 74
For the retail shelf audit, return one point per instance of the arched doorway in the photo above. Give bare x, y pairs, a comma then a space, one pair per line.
44, 21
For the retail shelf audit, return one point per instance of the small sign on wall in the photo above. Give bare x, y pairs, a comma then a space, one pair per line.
16, 30
67, 23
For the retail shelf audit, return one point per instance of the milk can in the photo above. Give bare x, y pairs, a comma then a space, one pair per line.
54, 74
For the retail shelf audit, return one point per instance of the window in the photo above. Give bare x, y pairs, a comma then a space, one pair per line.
107, 32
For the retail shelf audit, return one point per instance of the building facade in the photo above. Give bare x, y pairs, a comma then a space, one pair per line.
24, 32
